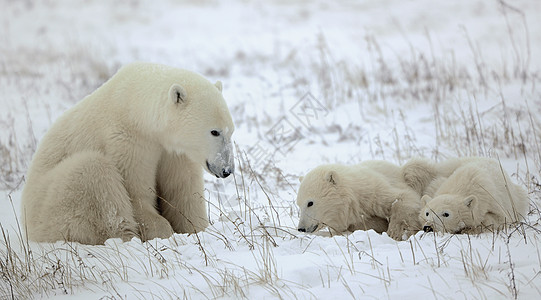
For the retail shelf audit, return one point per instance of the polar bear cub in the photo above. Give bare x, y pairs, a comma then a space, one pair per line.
477, 194
370, 195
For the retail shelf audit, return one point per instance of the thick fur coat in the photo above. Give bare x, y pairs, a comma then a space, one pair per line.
128, 159
371, 195
466, 195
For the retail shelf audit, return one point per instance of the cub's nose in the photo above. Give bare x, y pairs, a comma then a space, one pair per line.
301, 230
427, 228
226, 173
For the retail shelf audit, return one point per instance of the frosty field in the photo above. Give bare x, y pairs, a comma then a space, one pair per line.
307, 83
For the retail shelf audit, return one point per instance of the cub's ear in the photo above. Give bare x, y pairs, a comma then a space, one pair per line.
331, 177
425, 199
301, 178
218, 85
177, 94
471, 201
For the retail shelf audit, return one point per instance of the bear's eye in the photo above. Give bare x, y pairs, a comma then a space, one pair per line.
215, 133
427, 214
445, 214
310, 203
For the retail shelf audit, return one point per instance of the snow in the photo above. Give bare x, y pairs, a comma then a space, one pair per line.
307, 83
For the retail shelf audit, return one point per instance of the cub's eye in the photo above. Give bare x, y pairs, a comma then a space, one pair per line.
445, 214
215, 133
427, 214
310, 203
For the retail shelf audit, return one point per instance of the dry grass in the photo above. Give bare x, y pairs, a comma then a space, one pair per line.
251, 214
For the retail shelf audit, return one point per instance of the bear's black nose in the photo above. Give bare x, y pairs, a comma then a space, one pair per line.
225, 173
301, 230
427, 228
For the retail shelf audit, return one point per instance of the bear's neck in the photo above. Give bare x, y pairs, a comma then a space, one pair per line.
372, 198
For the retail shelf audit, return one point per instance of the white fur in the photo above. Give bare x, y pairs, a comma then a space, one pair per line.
371, 195
425, 176
477, 194
142, 136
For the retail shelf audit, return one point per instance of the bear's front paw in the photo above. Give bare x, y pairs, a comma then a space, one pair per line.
401, 230
397, 231
127, 231
156, 227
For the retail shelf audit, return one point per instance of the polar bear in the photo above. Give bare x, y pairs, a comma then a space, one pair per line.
128, 159
476, 195
426, 176
370, 195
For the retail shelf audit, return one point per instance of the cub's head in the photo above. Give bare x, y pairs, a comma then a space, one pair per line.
448, 213
323, 199
196, 121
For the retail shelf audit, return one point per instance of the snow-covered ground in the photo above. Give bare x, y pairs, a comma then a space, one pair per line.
307, 82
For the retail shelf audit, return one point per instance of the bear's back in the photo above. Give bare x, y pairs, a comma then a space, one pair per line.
388, 170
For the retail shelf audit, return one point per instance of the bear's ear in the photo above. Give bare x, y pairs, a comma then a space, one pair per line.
331, 177
177, 94
301, 178
471, 201
218, 85
425, 199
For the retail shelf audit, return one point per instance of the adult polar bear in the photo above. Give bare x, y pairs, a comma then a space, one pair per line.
127, 160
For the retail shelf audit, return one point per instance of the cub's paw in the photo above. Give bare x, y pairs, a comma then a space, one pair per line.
398, 230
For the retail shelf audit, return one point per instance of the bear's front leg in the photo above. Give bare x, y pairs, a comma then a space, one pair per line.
151, 223
404, 216
180, 188
138, 167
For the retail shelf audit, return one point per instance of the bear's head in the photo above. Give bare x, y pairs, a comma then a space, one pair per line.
448, 213
324, 199
195, 121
